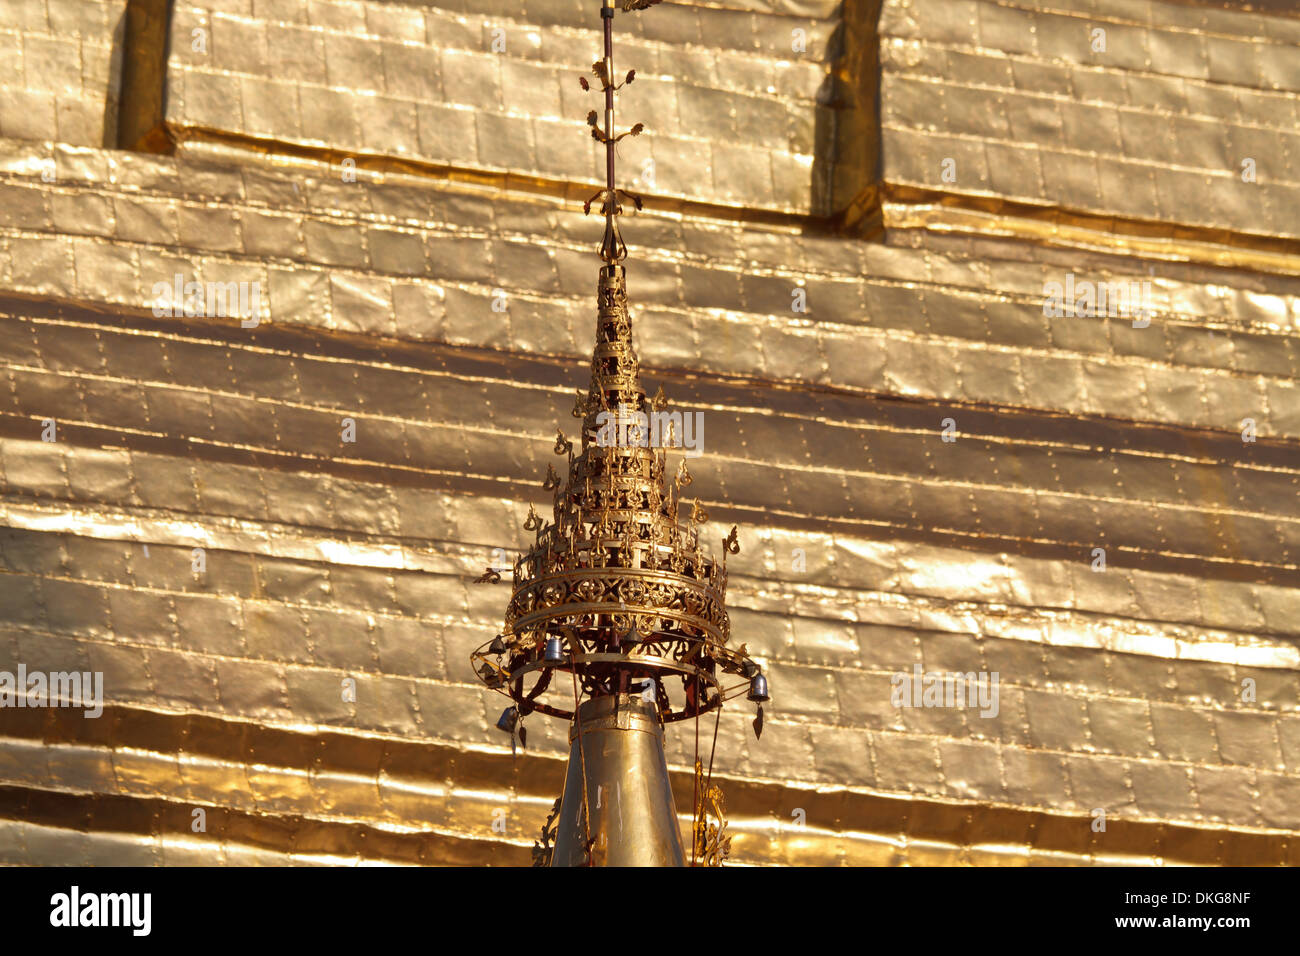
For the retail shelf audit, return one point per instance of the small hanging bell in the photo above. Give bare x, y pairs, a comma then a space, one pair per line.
554, 651
508, 719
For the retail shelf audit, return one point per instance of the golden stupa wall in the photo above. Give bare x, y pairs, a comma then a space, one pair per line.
443, 302
731, 115
60, 77
1149, 119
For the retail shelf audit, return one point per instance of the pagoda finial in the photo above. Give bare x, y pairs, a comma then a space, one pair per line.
617, 619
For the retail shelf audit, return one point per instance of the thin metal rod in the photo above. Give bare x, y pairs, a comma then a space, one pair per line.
712, 750
695, 777
582, 762
608, 22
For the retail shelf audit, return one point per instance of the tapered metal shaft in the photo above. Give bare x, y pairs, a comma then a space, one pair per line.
633, 815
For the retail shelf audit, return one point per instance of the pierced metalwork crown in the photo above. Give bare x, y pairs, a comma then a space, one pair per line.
630, 591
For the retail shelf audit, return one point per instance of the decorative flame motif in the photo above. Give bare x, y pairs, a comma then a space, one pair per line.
544, 845
712, 842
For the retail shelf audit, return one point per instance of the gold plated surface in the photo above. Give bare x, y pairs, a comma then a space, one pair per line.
442, 302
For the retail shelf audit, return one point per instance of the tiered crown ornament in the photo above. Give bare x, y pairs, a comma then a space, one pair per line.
617, 601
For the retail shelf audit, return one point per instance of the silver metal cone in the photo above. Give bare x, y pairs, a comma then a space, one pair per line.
633, 817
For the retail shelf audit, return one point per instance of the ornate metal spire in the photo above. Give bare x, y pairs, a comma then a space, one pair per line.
619, 594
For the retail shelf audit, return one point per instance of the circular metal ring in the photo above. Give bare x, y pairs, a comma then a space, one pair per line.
651, 663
